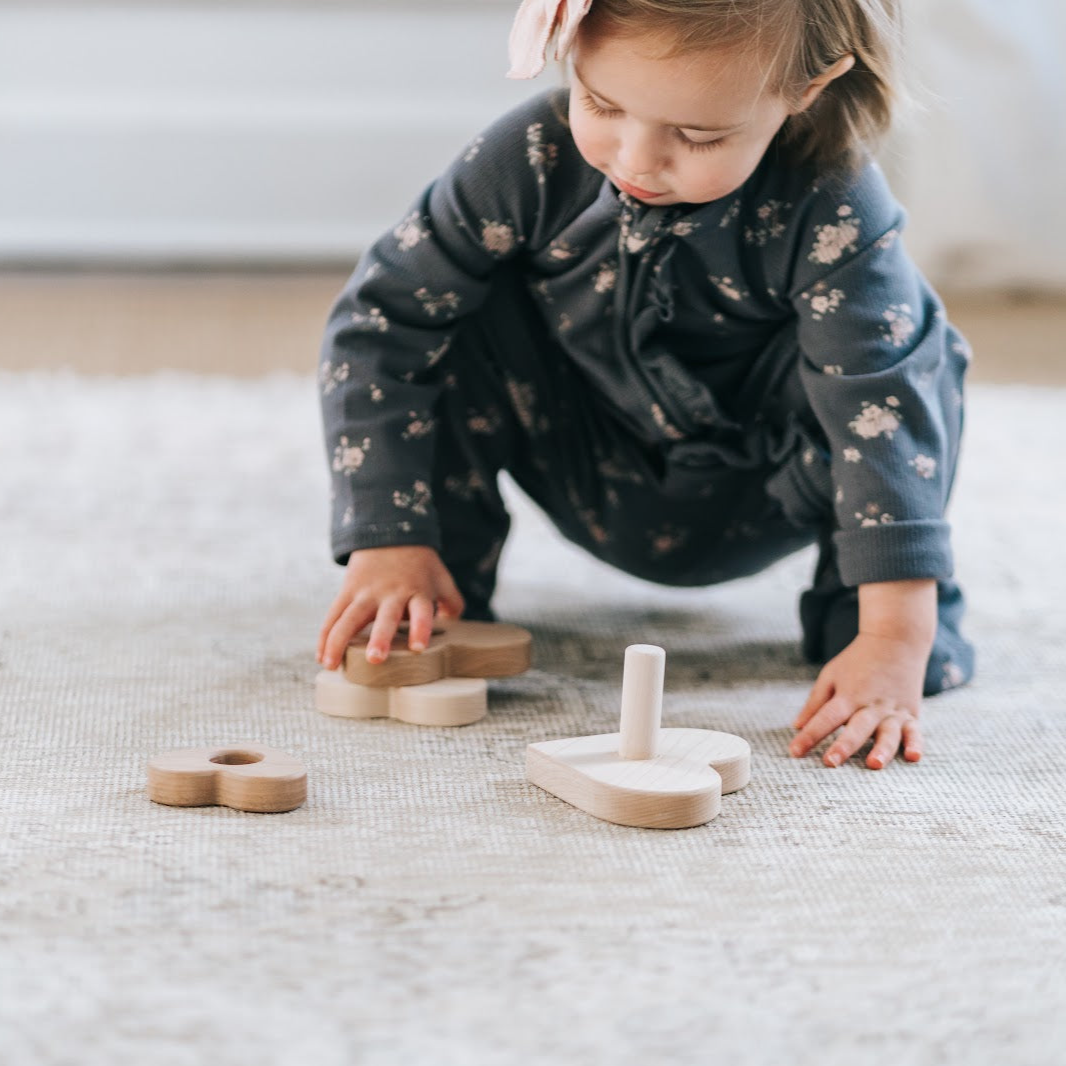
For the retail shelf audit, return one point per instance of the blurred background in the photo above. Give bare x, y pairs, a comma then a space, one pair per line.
188, 184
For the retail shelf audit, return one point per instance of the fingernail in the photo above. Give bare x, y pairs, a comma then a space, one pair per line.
833, 758
418, 646
374, 656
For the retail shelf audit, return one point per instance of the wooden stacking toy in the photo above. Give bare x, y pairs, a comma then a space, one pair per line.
247, 777
441, 686
643, 775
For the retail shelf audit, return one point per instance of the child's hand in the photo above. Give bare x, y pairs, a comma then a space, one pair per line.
875, 686
383, 585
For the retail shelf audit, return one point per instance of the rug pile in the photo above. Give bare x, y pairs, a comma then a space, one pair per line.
165, 572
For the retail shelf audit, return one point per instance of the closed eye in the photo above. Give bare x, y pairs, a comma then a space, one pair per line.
700, 146
612, 112
596, 109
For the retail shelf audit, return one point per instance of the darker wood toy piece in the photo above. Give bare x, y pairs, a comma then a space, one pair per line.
456, 649
247, 777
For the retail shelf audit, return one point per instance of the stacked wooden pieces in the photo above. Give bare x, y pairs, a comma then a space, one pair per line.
643, 775
441, 686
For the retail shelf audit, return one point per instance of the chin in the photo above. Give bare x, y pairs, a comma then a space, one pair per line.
709, 197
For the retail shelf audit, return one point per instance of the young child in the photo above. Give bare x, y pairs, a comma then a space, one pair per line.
674, 304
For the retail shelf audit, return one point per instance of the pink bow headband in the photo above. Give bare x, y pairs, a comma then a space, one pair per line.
533, 27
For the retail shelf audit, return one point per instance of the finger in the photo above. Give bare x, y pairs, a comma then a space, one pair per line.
886, 745
344, 629
450, 603
832, 715
913, 745
420, 626
388, 618
822, 692
336, 609
861, 726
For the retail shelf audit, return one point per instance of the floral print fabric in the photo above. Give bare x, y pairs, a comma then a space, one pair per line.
691, 322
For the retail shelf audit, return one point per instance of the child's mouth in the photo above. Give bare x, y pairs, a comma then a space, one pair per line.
636, 190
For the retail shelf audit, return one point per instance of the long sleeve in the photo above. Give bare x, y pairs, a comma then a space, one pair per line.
882, 369
392, 325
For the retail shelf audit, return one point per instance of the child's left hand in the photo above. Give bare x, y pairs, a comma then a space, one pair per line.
874, 686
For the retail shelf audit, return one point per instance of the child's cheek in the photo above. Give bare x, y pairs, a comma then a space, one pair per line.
589, 139
724, 175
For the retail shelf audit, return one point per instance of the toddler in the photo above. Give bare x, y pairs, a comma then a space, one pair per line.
674, 303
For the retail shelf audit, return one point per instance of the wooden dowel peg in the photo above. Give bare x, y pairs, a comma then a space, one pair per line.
642, 701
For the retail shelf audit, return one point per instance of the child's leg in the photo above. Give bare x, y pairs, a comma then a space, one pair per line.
474, 442
514, 401
497, 411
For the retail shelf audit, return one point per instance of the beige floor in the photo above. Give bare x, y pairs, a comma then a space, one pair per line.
247, 323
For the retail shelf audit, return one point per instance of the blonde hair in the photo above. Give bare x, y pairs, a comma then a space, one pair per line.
798, 40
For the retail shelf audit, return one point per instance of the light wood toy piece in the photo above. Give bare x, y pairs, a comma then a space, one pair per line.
246, 777
441, 686
643, 775
451, 701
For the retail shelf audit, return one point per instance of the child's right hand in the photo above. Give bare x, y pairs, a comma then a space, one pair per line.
383, 585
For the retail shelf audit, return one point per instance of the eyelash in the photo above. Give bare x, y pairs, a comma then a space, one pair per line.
695, 146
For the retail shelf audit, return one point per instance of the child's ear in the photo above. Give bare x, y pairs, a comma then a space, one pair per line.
814, 89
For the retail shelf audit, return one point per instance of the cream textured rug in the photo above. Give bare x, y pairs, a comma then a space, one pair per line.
164, 573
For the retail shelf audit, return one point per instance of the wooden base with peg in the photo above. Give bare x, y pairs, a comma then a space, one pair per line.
643, 775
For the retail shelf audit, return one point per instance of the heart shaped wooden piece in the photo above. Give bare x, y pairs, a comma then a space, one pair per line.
643, 775
247, 777
679, 787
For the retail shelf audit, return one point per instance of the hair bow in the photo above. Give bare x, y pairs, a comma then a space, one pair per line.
534, 24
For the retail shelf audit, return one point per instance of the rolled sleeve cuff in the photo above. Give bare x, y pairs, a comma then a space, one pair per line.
898, 551
348, 540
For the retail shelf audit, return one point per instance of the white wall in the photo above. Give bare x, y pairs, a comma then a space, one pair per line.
267, 129
983, 169
164, 130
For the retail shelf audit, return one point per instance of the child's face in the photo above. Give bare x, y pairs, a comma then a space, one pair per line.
685, 129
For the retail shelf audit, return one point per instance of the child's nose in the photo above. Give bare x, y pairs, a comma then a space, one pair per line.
639, 154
